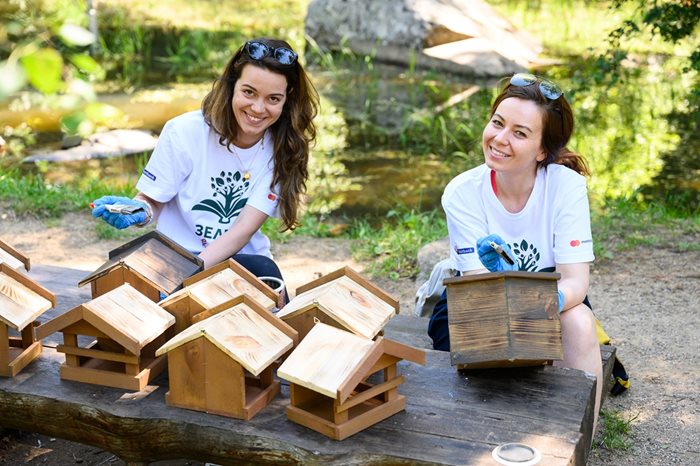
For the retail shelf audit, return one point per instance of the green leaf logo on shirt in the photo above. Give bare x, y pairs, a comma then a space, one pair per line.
527, 255
229, 189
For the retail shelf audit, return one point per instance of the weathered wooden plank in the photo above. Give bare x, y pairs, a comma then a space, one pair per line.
450, 417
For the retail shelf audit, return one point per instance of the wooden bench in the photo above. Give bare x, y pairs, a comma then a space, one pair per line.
451, 417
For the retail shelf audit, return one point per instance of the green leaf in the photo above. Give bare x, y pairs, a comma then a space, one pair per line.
43, 69
87, 64
73, 34
77, 123
102, 113
12, 78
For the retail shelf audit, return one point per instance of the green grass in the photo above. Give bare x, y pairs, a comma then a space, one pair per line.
390, 248
614, 431
628, 223
31, 195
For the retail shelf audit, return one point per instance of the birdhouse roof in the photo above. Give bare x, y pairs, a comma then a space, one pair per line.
353, 275
248, 335
333, 362
156, 258
13, 257
222, 282
21, 299
346, 301
325, 358
123, 314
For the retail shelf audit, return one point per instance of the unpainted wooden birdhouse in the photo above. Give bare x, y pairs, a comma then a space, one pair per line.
223, 364
214, 286
343, 299
21, 302
503, 319
12, 257
126, 329
153, 264
341, 383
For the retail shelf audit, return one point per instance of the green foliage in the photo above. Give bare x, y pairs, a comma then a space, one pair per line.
31, 195
614, 431
391, 248
625, 223
328, 181
314, 225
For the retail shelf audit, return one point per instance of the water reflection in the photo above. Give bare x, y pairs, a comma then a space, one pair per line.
391, 141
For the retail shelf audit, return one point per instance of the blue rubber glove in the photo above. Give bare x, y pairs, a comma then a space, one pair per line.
490, 258
561, 300
119, 220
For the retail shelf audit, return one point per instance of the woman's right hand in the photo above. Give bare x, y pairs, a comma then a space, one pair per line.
490, 258
131, 211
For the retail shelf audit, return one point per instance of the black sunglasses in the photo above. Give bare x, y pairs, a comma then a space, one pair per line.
547, 88
258, 51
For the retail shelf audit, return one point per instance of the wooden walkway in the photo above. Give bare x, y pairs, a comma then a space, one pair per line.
450, 417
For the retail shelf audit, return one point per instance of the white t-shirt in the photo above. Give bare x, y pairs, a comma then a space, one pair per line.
202, 186
553, 228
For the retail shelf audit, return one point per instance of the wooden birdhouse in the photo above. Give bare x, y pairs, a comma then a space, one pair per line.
152, 264
224, 363
503, 319
215, 286
126, 329
343, 299
12, 257
21, 302
341, 383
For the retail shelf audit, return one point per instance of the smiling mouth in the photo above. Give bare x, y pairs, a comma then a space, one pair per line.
498, 153
254, 119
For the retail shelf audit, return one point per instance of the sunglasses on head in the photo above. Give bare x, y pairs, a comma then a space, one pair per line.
547, 88
258, 51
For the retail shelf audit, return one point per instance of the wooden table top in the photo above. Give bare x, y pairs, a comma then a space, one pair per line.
450, 417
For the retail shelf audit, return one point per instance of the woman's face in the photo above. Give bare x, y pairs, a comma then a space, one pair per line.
512, 139
258, 99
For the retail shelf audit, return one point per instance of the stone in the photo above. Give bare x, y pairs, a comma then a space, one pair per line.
464, 37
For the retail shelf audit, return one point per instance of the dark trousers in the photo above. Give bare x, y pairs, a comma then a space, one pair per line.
261, 266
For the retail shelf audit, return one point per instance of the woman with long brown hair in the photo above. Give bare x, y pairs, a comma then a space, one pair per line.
218, 173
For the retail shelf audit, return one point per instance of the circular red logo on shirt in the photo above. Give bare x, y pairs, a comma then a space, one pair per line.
574, 243
271, 197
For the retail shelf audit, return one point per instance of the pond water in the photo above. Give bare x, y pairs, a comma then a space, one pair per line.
392, 140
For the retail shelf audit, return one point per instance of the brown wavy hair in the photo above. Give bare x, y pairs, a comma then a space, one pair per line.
292, 133
557, 125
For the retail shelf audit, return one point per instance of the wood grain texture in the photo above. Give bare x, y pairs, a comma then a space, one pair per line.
504, 319
156, 258
451, 418
12, 257
344, 300
128, 317
241, 333
239, 270
20, 303
221, 287
359, 279
456, 421
325, 359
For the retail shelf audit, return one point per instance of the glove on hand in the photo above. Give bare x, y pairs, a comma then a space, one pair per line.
490, 258
561, 300
119, 220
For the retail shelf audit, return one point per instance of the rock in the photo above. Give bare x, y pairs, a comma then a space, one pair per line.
429, 255
479, 40
113, 143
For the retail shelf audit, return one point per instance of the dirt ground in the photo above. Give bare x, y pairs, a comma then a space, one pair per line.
648, 299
